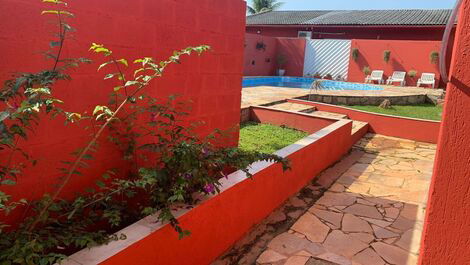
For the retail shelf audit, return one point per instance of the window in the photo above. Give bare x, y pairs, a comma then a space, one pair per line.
305, 34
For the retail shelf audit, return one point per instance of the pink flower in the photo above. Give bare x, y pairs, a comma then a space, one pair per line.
153, 117
205, 152
209, 188
15, 106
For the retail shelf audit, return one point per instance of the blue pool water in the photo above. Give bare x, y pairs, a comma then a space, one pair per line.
304, 82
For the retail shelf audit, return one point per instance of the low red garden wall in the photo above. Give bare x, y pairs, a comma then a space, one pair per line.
405, 56
297, 120
407, 128
220, 221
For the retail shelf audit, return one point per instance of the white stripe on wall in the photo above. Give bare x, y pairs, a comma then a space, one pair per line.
327, 57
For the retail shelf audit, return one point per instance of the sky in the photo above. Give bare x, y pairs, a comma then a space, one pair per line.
364, 4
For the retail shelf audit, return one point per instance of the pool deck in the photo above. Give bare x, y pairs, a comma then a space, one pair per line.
261, 95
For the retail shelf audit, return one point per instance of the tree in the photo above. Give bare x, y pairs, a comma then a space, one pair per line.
259, 6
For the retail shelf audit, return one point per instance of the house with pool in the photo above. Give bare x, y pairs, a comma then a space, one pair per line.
346, 45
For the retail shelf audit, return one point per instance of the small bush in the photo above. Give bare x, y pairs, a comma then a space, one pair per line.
281, 60
412, 73
261, 46
328, 77
366, 70
434, 57
387, 55
355, 54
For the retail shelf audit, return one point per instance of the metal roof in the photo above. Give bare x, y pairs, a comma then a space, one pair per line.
412, 17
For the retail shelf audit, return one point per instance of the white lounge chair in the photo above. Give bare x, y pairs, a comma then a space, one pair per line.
397, 76
427, 79
376, 75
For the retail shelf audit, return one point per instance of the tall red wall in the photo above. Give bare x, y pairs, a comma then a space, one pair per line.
264, 62
132, 29
405, 56
353, 32
446, 237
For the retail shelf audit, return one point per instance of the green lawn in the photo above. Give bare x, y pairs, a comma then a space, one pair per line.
267, 138
424, 111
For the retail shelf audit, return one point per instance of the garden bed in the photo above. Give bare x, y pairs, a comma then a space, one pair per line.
267, 138
238, 207
420, 111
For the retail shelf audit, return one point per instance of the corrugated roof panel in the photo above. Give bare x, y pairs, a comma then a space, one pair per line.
352, 17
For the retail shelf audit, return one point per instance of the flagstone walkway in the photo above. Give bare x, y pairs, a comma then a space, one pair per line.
372, 215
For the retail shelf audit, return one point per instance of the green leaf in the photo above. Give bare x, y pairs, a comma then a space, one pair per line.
109, 76
123, 61
97, 109
99, 48
132, 83
4, 115
54, 44
8, 182
38, 90
56, 12
100, 184
54, 2
104, 64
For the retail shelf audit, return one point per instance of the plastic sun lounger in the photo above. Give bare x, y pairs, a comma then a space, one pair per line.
427, 79
376, 75
397, 76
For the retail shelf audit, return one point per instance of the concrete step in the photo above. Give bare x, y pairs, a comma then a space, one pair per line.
294, 107
358, 125
328, 115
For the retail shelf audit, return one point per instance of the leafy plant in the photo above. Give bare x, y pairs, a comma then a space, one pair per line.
355, 54
281, 60
260, 45
386, 56
260, 6
328, 77
366, 70
434, 57
412, 73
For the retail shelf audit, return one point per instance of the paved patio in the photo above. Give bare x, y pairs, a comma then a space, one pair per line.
371, 211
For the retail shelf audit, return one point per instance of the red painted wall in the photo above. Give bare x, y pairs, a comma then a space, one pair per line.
264, 62
237, 209
259, 62
132, 29
294, 50
446, 237
353, 32
412, 129
405, 56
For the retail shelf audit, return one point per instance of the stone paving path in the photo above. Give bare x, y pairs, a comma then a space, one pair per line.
372, 215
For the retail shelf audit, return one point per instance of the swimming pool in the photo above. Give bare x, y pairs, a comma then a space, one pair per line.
304, 82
